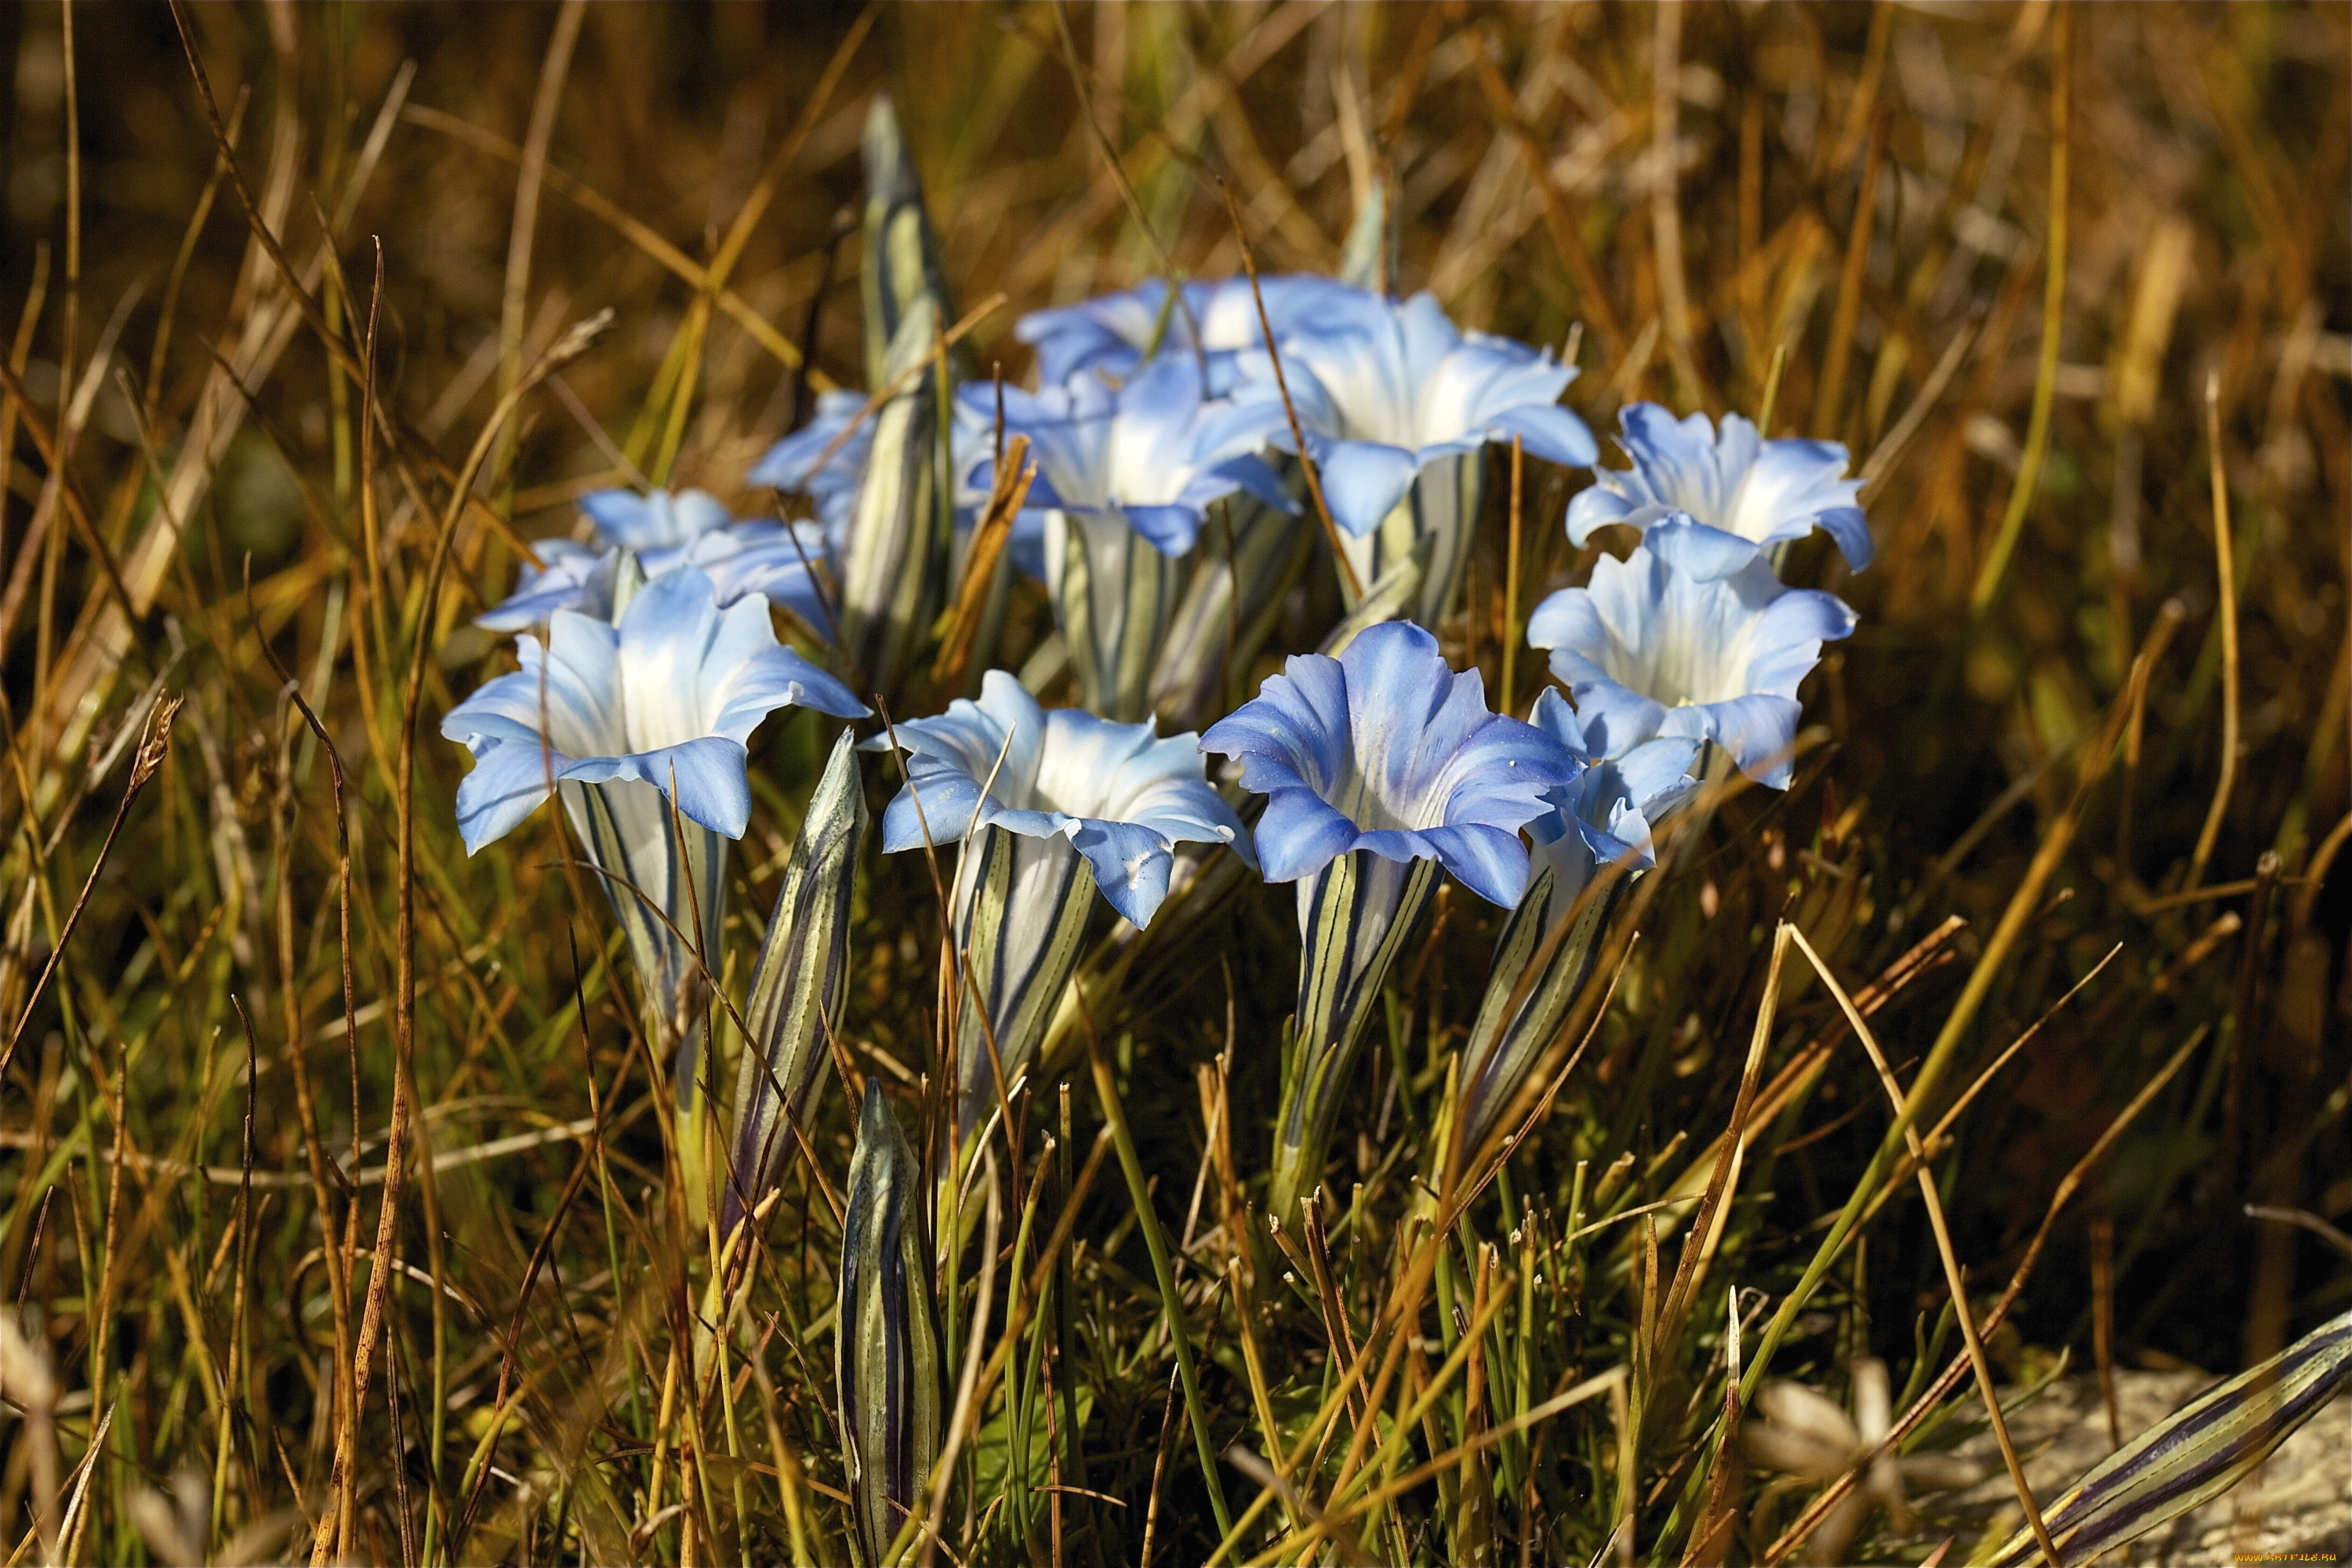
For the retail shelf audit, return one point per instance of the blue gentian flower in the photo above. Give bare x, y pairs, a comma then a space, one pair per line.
640, 722
1385, 389
665, 696
1386, 750
1070, 799
690, 528
1109, 332
1120, 796
1603, 815
1379, 766
1656, 645
1124, 479
1747, 493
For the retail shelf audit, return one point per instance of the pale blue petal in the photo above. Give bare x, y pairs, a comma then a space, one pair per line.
510, 780
1172, 530
1298, 834
707, 778
1565, 619
1492, 862
1548, 431
1130, 862
625, 518
1756, 730
1701, 552
1614, 719
1363, 480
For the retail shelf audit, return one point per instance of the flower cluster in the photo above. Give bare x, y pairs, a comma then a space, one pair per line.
1693, 634
1175, 439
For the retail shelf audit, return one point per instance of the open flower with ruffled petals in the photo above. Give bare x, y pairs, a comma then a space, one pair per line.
1384, 389
626, 719
1395, 402
1603, 816
1656, 646
1110, 331
1048, 802
667, 532
1748, 493
1379, 766
1386, 750
1125, 477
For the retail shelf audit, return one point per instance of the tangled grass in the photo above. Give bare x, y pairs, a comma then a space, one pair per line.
2080, 774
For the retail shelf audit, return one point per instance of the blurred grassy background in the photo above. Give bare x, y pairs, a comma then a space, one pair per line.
1867, 185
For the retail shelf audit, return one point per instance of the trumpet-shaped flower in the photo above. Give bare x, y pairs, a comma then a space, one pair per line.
1124, 477
1110, 331
1656, 645
667, 696
632, 719
1385, 389
1386, 750
1143, 452
667, 532
1602, 816
1041, 795
1378, 766
1120, 796
1747, 493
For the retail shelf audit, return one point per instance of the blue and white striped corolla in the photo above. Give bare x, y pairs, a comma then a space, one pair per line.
1126, 475
1379, 766
1664, 643
1396, 402
1047, 801
1746, 493
1109, 332
1603, 816
667, 530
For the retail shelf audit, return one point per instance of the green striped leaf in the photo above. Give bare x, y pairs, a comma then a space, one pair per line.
887, 1365
895, 564
902, 255
796, 984
1021, 905
1503, 1050
1353, 917
2194, 1454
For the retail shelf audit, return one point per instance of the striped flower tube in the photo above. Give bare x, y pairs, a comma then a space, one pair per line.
885, 1338
1603, 816
1125, 474
1380, 766
640, 723
2196, 1454
796, 986
1050, 806
1249, 555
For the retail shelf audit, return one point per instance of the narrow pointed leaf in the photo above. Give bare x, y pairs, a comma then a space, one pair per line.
886, 1363
895, 561
2196, 1454
901, 263
796, 986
